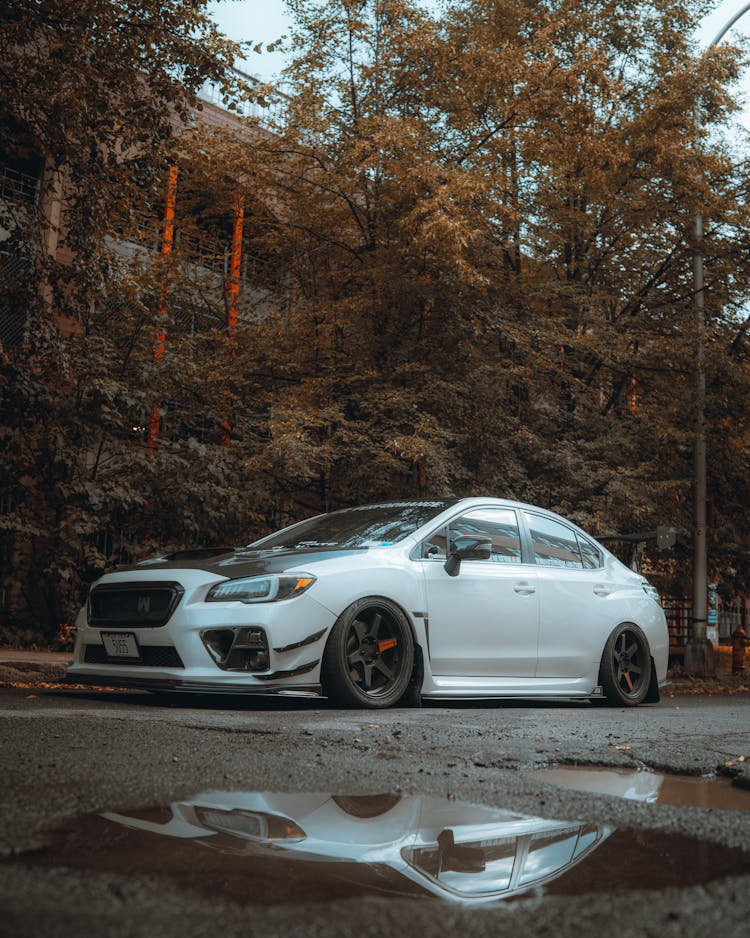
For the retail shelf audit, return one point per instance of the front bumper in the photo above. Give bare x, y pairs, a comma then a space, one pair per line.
175, 656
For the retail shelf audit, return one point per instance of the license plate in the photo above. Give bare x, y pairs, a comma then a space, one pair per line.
121, 645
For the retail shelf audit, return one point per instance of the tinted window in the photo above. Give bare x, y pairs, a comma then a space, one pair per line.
497, 525
591, 556
555, 544
549, 851
369, 526
434, 547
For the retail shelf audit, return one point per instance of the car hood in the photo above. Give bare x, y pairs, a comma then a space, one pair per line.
234, 563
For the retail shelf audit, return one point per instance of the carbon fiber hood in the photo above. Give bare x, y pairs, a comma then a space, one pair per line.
240, 562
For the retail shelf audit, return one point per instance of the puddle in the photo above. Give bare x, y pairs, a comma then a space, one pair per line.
268, 848
653, 787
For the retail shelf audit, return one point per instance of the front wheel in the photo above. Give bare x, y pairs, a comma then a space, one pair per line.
625, 672
369, 655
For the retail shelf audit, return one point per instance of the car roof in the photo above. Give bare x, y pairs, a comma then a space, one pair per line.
480, 501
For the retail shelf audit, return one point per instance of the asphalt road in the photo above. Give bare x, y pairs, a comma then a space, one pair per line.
69, 756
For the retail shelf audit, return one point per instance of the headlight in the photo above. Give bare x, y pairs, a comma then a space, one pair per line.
251, 825
260, 589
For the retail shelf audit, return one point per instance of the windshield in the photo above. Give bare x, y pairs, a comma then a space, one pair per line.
369, 526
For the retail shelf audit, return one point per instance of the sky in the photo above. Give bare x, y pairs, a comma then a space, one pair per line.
257, 21
266, 20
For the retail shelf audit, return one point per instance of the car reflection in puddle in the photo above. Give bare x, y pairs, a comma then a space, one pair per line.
453, 850
264, 848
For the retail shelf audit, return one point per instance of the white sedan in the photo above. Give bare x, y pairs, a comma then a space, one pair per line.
387, 603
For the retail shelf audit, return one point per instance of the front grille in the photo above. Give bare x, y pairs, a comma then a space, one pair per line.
137, 605
152, 656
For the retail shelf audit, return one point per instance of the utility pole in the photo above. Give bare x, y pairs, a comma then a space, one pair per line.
699, 657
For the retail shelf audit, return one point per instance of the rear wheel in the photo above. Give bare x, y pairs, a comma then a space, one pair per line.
369, 655
625, 672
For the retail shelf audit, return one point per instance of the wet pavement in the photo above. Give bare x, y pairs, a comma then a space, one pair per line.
123, 816
271, 848
722, 794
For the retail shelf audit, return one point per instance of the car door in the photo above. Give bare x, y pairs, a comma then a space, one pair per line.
573, 586
485, 620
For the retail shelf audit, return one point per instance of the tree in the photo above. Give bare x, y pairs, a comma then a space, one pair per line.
581, 119
494, 208
96, 96
368, 223
471, 273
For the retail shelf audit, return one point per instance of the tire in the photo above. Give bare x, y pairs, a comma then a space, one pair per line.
369, 655
366, 806
625, 672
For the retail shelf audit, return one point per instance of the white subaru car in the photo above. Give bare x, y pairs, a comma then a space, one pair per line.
381, 604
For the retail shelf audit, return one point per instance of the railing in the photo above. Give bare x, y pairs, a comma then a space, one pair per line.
15, 184
730, 617
14, 271
6, 549
679, 614
202, 251
271, 115
113, 548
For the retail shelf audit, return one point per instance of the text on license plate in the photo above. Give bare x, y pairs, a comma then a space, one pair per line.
120, 644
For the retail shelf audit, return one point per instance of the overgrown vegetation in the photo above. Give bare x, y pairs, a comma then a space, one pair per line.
471, 273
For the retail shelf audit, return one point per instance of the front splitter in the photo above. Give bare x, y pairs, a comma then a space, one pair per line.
191, 687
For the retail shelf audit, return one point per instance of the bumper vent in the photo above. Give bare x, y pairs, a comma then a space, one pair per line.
152, 656
237, 649
137, 605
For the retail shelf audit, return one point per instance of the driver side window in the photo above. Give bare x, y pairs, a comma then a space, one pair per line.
434, 547
499, 526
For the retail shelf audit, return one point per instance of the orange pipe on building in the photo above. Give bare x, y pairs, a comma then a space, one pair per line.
167, 243
633, 395
233, 298
235, 266
424, 328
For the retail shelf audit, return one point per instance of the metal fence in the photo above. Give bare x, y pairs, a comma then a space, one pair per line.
679, 613
270, 109
14, 273
15, 184
6, 549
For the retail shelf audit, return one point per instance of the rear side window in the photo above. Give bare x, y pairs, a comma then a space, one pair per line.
554, 544
590, 555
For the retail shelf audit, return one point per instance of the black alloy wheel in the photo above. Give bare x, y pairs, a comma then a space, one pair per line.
625, 670
369, 655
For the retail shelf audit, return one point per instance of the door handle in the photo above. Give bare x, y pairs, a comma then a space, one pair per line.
524, 589
601, 590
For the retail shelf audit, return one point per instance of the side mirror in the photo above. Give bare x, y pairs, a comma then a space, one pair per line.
458, 858
467, 548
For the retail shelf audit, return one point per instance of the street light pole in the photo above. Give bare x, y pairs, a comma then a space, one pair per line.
699, 659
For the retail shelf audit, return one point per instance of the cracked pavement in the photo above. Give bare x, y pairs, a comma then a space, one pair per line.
69, 753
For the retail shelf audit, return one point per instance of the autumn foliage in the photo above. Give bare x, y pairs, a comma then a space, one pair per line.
467, 256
